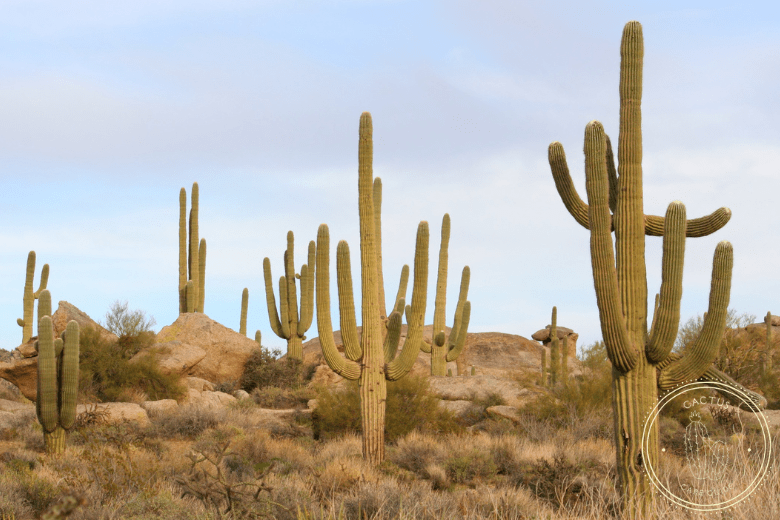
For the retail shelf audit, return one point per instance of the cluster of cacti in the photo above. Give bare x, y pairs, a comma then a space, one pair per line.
244, 305
58, 378
30, 296
192, 259
443, 349
364, 357
293, 325
641, 360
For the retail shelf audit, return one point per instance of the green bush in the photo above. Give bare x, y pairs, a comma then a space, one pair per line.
410, 405
123, 322
105, 373
264, 368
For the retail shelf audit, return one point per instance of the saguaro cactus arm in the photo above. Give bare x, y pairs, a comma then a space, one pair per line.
70, 375
654, 225
346, 368
307, 291
397, 368
605, 278
704, 349
270, 299
461, 325
666, 317
47, 401
349, 336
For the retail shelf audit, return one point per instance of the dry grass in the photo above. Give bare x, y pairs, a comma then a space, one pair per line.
130, 472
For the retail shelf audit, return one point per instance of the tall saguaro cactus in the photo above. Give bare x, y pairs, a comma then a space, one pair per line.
192, 259
365, 358
292, 326
58, 381
642, 360
30, 296
555, 353
442, 349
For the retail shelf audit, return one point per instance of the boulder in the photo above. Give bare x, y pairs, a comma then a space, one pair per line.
196, 383
505, 412
543, 335
173, 357
479, 387
13, 406
118, 412
459, 408
24, 374
66, 312
159, 407
227, 351
211, 399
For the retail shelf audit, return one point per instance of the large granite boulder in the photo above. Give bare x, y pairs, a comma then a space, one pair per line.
173, 357
226, 351
543, 335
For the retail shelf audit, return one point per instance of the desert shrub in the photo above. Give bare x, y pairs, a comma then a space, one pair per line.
474, 466
585, 403
105, 374
561, 483
187, 421
124, 322
264, 368
276, 397
410, 406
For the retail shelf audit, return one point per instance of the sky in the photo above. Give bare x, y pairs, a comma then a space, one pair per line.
108, 109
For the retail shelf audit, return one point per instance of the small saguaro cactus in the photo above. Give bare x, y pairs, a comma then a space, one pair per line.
258, 338
58, 379
555, 358
244, 304
292, 326
450, 348
30, 296
767, 365
192, 259
365, 358
642, 360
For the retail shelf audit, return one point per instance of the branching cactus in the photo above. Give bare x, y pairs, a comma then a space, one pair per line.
641, 360
30, 296
244, 304
292, 326
58, 380
192, 259
555, 353
364, 357
449, 348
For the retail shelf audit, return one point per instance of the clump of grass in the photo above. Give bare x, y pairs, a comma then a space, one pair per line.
187, 421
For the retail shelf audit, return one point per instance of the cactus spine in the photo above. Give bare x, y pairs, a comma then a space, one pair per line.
448, 350
58, 380
290, 327
30, 296
641, 359
244, 304
365, 359
193, 267
555, 357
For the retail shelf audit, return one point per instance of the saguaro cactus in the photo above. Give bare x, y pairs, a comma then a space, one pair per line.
193, 267
767, 365
58, 379
565, 360
641, 360
365, 359
29, 298
290, 326
543, 379
450, 348
555, 354
244, 304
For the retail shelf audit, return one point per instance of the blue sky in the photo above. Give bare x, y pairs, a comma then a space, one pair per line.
107, 110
